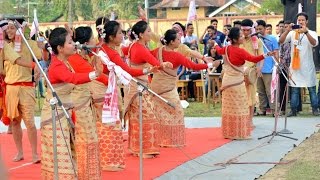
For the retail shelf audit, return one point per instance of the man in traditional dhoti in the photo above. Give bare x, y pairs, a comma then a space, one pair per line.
20, 96
254, 47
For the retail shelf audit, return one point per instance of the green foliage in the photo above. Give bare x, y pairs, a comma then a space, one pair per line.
199, 109
49, 10
7, 6
271, 6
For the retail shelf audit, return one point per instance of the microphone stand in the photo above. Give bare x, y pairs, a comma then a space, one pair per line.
285, 130
53, 102
141, 87
276, 115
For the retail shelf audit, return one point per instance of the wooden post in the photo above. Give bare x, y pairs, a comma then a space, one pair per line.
202, 75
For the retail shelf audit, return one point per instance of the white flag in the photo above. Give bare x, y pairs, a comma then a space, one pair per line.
112, 16
300, 8
35, 24
192, 14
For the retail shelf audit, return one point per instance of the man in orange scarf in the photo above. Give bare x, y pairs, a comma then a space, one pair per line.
302, 67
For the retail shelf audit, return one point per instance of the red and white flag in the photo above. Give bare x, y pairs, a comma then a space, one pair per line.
35, 24
192, 14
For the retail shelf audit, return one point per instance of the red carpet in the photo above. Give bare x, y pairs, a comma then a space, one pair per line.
199, 141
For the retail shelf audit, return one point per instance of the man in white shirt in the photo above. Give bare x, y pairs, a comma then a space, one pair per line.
302, 65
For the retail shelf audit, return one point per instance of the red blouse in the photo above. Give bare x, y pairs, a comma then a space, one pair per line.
178, 59
80, 65
116, 58
58, 72
139, 54
238, 56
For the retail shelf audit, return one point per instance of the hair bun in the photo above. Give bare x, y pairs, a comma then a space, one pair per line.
163, 41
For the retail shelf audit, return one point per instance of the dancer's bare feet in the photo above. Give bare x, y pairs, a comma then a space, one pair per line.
35, 159
9, 131
18, 157
146, 156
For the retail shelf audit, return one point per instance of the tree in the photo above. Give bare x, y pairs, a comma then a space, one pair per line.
271, 7
7, 6
124, 9
50, 10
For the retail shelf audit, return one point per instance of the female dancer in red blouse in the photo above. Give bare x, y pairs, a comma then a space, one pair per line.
63, 80
172, 130
86, 137
140, 57
236, 123
110, 135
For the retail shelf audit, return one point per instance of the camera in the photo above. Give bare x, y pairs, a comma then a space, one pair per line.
296, 26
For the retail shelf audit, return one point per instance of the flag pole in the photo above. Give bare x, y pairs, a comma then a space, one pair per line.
201, 71
192, 15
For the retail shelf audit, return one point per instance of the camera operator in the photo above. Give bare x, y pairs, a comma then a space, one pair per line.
302, 65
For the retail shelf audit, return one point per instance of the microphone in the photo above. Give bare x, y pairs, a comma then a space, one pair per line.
85, 47
259, 35
255, 34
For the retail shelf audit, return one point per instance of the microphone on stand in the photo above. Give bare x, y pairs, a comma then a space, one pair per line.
255, 34
259, 35
85, 47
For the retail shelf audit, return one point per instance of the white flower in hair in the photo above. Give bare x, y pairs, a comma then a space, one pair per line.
163, 40
136, 37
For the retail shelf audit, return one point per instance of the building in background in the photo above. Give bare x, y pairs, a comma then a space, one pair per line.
175, 9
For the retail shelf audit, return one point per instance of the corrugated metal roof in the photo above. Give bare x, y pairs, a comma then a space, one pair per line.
185, 3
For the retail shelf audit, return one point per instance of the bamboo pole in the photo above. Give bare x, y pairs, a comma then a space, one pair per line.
204, 99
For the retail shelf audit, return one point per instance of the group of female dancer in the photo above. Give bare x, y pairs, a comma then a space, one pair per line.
81, 81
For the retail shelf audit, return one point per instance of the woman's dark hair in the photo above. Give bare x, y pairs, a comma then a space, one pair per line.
169, 36
101, 20
57, 38
82, 34
234, 34
139, 27
47, 33
247, 22
110, 29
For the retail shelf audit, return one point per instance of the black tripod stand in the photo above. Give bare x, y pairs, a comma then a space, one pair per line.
276, 115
